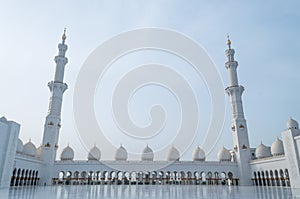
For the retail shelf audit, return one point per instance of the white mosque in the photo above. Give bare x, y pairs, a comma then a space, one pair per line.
28, 165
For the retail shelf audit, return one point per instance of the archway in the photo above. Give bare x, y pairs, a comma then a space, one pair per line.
230, 178
13, 177
287, 177
113, 177
68, 178
196, 177
83, 177
153, 177
22, 177
209, 178
18, 177
223, 178
277, 178
161, 177
182, 177
147, 177
140, 177
76, 177
133, 177
272, 178
203, 178
126, 178
268, 183
263, 178
216, 178
105, 177
61, 176
281, 174
120, 177
189, 177
30, 178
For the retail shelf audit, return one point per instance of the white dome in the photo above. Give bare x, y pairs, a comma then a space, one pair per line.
277, 147
173, 154
94, 154
121, 154
198, 154
67, 154
19, 146
29, 149
39, 151
224, 154
292, 124
3, 119
262, 151
147, 154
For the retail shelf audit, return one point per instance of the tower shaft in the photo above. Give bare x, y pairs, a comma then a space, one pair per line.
53, 119
239, 124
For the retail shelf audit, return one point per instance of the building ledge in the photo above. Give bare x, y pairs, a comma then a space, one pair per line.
27, 158
268, 159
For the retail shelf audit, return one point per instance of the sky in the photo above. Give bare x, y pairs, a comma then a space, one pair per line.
263, 34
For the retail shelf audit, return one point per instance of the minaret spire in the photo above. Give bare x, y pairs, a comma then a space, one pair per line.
64, 37
228, 42
239, 124
61, 60
53, 119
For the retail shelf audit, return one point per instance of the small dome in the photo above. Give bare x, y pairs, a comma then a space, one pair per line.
121, 154
29, 149
262, 151
173, 154
67, 154
198, 154
224, 154
94, 154
147, 154
292, 124
3, 119
277, 147
39, 151
19, 146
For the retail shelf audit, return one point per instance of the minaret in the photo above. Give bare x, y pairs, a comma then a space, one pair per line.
239, 125
53, 119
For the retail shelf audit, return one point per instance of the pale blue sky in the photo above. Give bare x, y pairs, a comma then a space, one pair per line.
264, 35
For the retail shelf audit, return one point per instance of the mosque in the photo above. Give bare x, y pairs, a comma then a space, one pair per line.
26, 165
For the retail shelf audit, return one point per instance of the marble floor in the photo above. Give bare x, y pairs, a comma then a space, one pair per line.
146, 191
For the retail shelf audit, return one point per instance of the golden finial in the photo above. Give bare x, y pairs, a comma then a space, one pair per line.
228, 41
64, 37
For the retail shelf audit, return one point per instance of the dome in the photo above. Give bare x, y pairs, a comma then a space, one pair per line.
38, 151
29, 149
3, 119
292, 124
277, 147
173, 154
262, 151
94, 154
198, 154
19, 146
224, 154
147, 154
67, 154
121, 154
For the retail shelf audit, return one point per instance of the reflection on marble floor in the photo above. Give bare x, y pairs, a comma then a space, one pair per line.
146, 191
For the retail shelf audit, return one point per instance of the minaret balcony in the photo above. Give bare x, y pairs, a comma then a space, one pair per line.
234, 89
231, 64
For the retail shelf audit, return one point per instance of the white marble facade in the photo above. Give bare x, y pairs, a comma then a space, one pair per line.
24, 164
